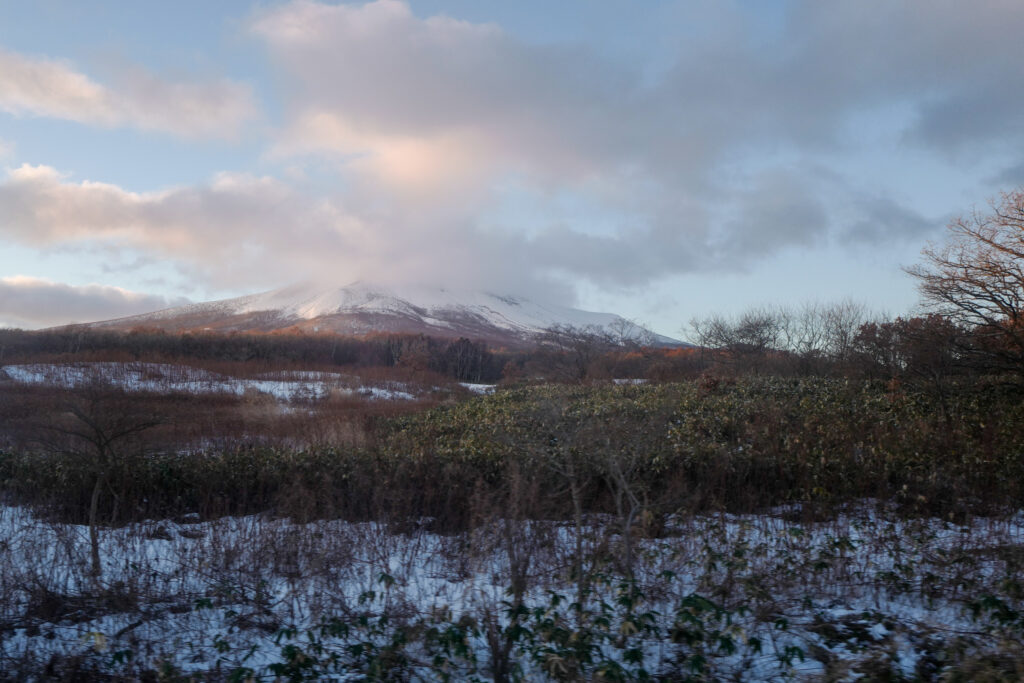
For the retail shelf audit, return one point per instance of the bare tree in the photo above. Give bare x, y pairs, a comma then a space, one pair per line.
94, 425
811, 339
573, 350
744, 341
976, 279
631, 334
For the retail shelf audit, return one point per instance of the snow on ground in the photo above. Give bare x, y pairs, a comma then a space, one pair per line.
222, 594
385, 393
478, 388
168, 378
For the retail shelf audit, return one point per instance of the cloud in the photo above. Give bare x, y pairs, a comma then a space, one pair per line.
875, 217
747, 141
735, 151
238, 229
777, 210
246, 231
49, 88
414, 165
1009, 178
31, 302
395, 95
235, 231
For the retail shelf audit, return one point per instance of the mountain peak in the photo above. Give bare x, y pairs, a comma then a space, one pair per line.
363, 307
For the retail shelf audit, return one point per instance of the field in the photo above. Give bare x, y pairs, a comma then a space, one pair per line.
322, 524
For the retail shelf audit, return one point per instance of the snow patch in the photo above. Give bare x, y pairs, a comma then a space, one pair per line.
168, 378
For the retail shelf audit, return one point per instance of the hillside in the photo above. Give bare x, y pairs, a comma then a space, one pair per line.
362, 308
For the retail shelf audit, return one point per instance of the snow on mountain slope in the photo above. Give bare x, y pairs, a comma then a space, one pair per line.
361, 308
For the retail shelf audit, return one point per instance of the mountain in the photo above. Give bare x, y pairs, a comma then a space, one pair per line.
362, 308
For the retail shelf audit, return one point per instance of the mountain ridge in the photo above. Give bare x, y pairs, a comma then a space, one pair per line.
363, 308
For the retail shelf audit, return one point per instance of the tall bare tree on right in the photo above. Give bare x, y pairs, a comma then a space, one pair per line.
976, 279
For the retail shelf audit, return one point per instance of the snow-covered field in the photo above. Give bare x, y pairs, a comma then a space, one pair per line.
848, 599
168, 378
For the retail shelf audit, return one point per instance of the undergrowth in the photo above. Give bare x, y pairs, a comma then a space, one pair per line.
662, 448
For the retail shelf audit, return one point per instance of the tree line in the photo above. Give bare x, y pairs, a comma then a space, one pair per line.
459, 359
971, 324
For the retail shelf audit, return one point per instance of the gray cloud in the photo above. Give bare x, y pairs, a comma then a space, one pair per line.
954, 66
880, 220
1009, 177
441, 111
31, 302
781, 209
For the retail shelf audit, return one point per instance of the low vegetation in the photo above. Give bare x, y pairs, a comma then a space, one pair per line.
716, 445
756, 526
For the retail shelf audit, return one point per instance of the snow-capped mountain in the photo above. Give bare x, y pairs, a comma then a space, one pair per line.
362, 308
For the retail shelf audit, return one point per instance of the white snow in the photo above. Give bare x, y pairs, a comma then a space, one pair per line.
478, 388
220, 591
169, 378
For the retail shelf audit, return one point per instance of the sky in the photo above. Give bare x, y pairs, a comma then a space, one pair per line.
664, 160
